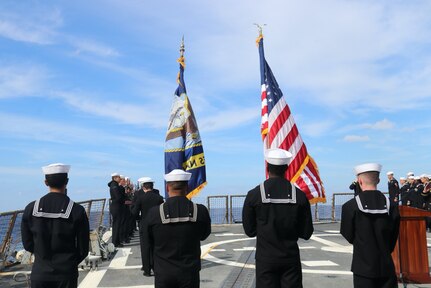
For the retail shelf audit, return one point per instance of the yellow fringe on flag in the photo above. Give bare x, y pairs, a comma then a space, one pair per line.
182, 62
258, 39
196, 190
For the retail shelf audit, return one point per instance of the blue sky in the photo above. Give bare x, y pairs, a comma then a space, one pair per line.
90, 83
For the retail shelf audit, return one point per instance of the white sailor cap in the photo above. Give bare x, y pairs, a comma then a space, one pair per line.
115, 174
411, 177
145, 180
390, 173
55, 168
417, 178
277, 156
178, 175
122, 177
424, 176
410, 174
367, 167
402, 178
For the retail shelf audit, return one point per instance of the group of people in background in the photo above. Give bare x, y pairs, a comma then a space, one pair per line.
123, 195
413, 191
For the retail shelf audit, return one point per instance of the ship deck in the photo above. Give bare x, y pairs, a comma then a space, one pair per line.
227, 261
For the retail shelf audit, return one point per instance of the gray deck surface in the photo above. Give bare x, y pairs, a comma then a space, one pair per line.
227, 261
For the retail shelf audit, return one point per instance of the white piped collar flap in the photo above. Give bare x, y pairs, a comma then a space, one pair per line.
166, 218
266, 196
373, 210
64, 213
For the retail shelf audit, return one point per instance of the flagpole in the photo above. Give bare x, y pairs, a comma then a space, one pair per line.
260, 28
182, 47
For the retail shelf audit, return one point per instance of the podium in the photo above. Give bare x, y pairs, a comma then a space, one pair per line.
410, 255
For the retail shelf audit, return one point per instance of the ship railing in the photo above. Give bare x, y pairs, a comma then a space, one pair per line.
223, 209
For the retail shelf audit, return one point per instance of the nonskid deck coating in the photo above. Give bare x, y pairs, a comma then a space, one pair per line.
227, 261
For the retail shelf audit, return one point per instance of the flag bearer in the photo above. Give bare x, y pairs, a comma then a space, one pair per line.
175, 229
56, 230
278, 213
371, 224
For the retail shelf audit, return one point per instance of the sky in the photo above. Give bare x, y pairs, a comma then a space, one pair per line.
90, 84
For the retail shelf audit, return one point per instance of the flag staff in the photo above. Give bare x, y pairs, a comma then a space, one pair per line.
182, 49
260, 28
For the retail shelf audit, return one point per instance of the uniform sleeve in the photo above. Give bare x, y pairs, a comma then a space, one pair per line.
26, 235
115, 193
347, 228
205, 223
305, 221
83, 236
136, 205
249, 216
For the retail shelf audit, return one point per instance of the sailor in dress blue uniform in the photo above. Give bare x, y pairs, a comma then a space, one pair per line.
371, 224
175, 229
56, 230
277, 213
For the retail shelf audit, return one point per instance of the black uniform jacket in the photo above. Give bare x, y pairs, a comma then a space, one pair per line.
175, 229
393, 189
414, 197
404, 193
144, 201
278, 216
371, 225
56, 230
118, 195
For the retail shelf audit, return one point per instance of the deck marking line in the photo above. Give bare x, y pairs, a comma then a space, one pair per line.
319, 263
228, 234
325, 242
120, 258
93, 278
208, 247
139, 286
306, 247
245, 249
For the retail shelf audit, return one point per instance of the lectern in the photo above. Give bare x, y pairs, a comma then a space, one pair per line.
411, 253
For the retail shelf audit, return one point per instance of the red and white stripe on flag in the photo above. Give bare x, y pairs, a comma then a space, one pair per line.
279, 130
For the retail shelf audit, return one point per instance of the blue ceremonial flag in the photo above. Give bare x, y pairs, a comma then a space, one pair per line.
183, 146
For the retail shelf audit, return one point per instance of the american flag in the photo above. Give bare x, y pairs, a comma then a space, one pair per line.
279, 130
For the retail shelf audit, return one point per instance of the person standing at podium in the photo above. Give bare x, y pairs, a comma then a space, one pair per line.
371, 224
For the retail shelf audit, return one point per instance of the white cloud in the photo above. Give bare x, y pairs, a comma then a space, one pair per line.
35, 129
21, 80
227, 119
89, 46
316, 129
356, 138
344, 54
38, 27
154, 115
385, 124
